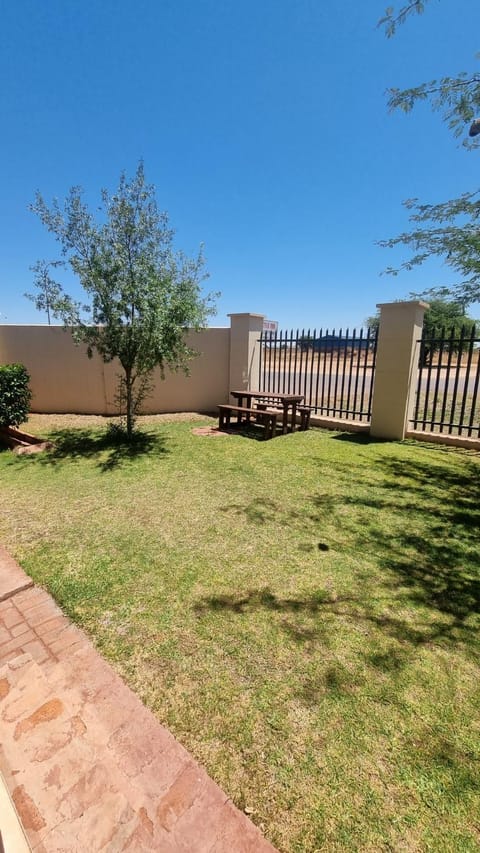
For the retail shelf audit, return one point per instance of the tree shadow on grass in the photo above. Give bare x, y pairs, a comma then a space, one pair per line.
428, 546
418, 521
356, 608
292, 610
434, 547
258, 511
109, 448
262, 511
264, 598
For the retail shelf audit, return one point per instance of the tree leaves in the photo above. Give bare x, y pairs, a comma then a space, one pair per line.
447, 229
51, 298
452, 232
142, 295
392, 19
457, 97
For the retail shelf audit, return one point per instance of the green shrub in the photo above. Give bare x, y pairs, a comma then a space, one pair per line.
15, 394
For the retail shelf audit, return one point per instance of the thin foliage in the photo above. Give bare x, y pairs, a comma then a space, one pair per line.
142, 295
50, 297
447, 229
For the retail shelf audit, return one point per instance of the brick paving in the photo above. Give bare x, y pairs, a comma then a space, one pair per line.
88, 766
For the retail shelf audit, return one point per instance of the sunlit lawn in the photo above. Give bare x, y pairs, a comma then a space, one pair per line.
302, 614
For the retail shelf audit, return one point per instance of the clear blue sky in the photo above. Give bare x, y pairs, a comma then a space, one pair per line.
262, 124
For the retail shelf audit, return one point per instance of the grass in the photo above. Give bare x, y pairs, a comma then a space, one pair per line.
301, 613
464, 423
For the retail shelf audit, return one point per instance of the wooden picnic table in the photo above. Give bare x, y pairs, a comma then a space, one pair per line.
287, 401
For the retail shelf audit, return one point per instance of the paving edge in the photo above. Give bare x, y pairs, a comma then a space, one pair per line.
16, 579
12, 835
229, 825
6, 595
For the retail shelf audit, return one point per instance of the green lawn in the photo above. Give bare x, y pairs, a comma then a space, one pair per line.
301, 613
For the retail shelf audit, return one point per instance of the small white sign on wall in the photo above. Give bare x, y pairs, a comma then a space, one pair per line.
270, 326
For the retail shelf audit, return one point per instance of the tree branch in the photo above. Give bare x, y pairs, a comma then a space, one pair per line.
391, 21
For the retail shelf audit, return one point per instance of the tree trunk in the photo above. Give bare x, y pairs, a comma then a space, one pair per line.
129, 403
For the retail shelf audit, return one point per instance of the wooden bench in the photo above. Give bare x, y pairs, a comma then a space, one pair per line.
266, 418
303, 411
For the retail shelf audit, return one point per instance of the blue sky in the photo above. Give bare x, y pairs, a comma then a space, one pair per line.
262, 124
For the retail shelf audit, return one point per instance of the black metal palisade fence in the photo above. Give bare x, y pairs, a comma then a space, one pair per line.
447, 399
334, 371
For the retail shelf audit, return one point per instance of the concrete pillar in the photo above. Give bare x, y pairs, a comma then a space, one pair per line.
245, 331
395, 380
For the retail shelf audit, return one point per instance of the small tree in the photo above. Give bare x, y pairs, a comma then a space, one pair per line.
142, 295
15, 395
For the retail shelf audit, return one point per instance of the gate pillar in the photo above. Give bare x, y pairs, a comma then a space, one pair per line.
245, 331
395, 381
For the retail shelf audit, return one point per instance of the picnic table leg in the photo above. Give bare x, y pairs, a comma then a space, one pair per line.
224, 420
239, 414
294, 416
271, 426
248, 405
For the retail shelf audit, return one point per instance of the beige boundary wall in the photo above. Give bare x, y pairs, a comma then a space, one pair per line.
64, 379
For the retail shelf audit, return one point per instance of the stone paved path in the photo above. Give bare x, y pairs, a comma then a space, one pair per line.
88, 766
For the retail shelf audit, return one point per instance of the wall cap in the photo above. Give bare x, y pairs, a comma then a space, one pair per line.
404, 303
246, 314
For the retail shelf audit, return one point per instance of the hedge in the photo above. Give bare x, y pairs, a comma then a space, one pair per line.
15, 394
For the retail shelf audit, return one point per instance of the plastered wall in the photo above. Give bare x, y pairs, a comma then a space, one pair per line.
64, 379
